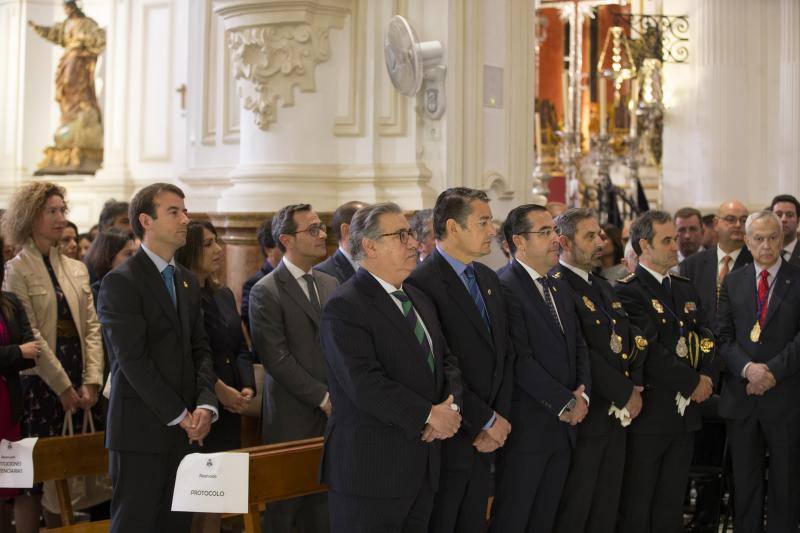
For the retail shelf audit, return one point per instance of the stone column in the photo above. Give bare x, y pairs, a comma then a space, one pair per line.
237, 234
788, 138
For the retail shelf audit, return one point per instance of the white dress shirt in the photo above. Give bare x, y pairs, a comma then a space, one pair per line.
298, 274
721, 255
579, 271
788, 250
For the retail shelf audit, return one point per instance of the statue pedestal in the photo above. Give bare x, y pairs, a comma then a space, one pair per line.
61, 161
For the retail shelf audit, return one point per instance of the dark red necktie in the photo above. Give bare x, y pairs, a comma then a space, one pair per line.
763, 294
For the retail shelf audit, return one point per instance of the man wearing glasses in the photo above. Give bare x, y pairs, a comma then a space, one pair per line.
471, 308
552, 383
707, 269
395, 386
285, 309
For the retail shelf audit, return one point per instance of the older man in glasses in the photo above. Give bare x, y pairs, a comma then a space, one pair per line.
285, 311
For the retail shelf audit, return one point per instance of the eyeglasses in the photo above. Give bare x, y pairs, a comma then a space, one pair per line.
730, 219
312, 230
545, 233
403, 234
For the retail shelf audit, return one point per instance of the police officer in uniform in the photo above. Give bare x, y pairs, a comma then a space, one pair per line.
679, 374
617, 352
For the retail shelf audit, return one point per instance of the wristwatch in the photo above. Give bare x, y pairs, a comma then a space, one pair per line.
455, 407
570, 405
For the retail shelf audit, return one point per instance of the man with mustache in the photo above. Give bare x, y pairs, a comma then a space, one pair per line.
552, 382
759, 313
395, 387
472, 311
679, 374
617, 352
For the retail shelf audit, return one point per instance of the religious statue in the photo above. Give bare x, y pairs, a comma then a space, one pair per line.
78, 141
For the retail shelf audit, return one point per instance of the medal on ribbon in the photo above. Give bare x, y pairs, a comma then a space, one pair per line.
682, 349
615, 342
755, 333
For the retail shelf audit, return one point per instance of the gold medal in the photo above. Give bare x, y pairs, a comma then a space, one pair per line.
657, 306
589, 304
615, 342
682, 349
706, 345
616, 305
755, 333
690, 306
641, 342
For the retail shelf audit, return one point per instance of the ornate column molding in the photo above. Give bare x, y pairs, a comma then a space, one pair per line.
276, 45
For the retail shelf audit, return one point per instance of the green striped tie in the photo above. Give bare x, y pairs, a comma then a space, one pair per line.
416, 325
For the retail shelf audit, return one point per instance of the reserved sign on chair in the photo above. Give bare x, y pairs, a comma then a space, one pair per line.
16, 463
212, 483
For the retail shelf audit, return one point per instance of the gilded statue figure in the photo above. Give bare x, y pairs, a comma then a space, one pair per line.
78, 141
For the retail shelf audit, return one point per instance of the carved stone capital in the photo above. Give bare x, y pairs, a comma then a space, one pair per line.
275, 46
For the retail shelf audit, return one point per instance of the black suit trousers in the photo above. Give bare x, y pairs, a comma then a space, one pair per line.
359, 514
749, 440
142, 497
594, 484
654, 486
528, 491
460, 503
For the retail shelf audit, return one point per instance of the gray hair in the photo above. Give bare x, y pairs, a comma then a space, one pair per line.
642, 228
567, 222
758, 215
365, 224
422, 223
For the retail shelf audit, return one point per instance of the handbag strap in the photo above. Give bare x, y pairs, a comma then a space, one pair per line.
67, 430
88, 421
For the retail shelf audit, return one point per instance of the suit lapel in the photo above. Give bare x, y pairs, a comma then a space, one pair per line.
428, 317
747, 286
344, 266
782, 285
744, 258
181, 286
536, 298
155, 284
460, 295
292, 288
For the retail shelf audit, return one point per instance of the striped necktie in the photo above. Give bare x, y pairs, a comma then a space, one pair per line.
416, 326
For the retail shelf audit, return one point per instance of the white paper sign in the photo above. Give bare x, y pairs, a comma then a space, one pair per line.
212, 483
16, 463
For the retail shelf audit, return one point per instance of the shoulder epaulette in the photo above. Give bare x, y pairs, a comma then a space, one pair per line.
628, 278
678, 276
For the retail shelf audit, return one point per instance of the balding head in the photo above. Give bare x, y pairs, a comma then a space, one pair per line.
729, 225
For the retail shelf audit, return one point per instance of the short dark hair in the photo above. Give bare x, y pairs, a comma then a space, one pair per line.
264, 235
614, 234
105, 248
343, 215
642, 228
190, 254
567, 222
786, 198
283, 222
419, 223
708, 220
111, 210
86, 236
687, 212
72, 225
454, 203
517, 223
144, 202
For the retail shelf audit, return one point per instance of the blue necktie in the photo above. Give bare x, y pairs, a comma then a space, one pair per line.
168, 275
475, 292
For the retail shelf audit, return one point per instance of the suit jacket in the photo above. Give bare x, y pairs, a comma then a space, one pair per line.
159, 355
613, 374
27, 277
337, 266
265, 269
285, 329
382, 391
11, 360
778, 345
549, 365
794, 259
701, 269
485, 357
665, 373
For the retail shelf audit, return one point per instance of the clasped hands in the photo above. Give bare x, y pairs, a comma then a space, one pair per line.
197, 424
634, 405
759, 379
488, 440
83, 398
703, 390
231, 399
576, 415
443, 421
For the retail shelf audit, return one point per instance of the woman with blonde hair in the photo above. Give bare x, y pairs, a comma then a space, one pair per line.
55, 293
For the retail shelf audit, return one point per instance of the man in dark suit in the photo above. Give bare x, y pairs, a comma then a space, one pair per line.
708, 268
679, 373
162, 390
272, 256
471, 310
552, 381
617, 352
786, 208
689, 223
395, 386
341, 265
284, 318
759, 335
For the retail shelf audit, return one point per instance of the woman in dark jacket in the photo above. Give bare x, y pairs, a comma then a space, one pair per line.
18, 351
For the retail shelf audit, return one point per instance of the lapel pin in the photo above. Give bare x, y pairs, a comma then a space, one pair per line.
186, 284
489, 291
